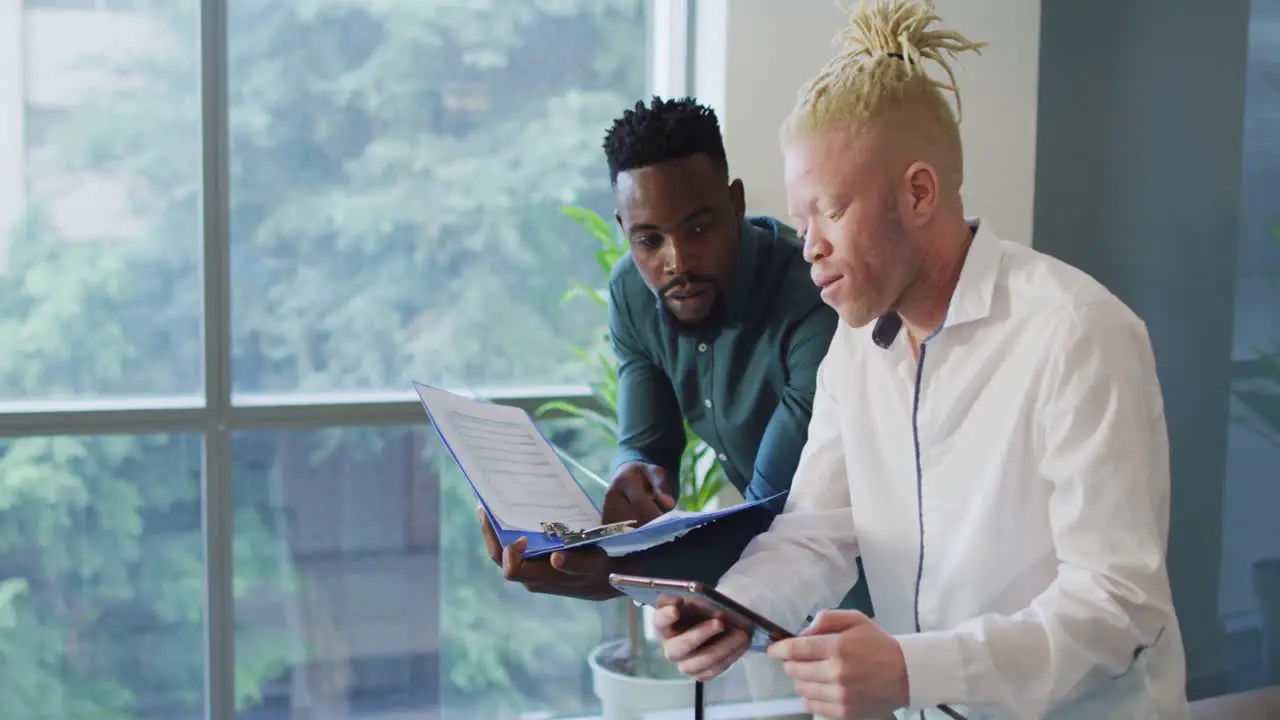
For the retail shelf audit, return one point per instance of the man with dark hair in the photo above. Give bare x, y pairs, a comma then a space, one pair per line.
714, 319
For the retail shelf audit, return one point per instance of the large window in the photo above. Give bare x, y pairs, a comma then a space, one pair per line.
231, 233
396, 169
101, 577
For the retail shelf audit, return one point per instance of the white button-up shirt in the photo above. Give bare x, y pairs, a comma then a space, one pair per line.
1008, 493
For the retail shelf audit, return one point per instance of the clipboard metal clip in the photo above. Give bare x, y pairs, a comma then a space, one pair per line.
573, 537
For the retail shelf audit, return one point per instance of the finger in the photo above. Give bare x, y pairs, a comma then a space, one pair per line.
691, 613
666, 619
686, 644
633, 489
716, 656
820, 692
616, 510
805, 648
821, 671
511, 560
631, 503
817, 708
491, 543
658, 483
645, 510
585, 561
829, 622
639, 488
618, 501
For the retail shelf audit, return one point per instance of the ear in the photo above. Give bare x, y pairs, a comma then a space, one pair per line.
738, 196
618, 216
923, 192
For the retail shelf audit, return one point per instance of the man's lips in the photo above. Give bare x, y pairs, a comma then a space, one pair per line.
823, 281
688, 293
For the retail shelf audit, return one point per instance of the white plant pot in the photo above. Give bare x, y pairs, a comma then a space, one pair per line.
646, 622
626, 697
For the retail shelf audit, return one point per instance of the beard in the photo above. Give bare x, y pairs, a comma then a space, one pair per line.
707, 326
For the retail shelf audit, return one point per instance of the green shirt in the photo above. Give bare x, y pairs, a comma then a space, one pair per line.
746, 389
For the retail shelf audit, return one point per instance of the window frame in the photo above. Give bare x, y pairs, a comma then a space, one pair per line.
220, 412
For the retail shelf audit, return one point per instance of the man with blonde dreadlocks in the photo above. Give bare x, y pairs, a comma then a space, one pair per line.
988, 434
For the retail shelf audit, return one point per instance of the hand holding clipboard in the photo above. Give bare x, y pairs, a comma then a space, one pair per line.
527, 492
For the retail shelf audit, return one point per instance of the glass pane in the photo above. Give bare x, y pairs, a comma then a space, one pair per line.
384, 602
100, 201
399, 168
102, 591
1249, 595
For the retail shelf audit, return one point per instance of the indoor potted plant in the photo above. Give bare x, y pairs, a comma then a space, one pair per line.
630, 675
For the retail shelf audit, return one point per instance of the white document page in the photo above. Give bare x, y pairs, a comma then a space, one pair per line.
513, 468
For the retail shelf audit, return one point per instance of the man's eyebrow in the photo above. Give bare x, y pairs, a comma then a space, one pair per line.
795, 213
650, 227
704, 210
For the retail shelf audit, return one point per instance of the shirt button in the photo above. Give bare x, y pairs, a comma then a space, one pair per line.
723, 457
707, 402
702, 347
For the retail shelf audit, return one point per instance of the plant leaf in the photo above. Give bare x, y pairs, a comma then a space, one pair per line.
581, 289
591, 417
590, 221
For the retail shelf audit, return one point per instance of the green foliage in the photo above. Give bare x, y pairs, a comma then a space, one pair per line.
90, 550
701, 476
397, 166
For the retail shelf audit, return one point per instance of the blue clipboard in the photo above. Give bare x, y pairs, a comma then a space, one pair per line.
553, 534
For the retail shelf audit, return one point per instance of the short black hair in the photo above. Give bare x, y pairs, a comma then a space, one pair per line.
664, 130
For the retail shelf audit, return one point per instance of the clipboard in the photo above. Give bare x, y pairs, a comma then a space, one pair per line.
572, 519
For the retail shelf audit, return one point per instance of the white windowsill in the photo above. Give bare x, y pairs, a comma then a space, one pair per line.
760, 710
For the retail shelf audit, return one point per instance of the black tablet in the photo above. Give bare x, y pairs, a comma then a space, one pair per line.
703, 602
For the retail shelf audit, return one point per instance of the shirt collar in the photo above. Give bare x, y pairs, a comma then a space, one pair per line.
972, 297
740, 293
971, 300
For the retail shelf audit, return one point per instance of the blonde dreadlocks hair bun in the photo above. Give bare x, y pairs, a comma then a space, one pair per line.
880, 69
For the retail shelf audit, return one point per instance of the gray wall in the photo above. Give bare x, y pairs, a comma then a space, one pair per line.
1140, 140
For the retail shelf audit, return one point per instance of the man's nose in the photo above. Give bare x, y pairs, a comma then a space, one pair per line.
816, 246
678, 259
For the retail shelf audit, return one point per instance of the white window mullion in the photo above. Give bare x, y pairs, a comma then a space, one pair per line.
669, 40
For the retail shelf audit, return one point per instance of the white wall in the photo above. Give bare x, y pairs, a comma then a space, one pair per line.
752, 56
